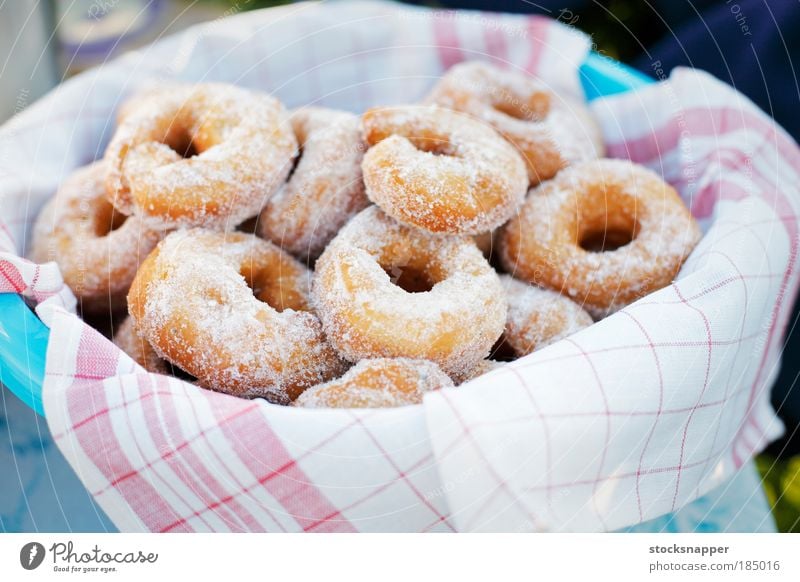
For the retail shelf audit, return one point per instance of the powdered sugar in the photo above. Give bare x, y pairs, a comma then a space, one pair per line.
483, 367
378, 383
541, 244
454, 323
434, 168
194, 305
326, 188
76, 230
440, 170
244, 147
539, 317
550, 130
127, 339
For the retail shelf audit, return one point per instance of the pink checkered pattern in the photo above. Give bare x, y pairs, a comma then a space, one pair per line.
629, 419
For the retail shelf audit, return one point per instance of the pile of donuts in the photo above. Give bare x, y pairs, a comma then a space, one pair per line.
318, 258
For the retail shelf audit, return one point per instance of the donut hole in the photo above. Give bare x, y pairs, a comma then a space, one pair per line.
107, 220
413, 273
268, 287
614, 234
438, 146
535, 108
410, 279
117, 220
513, 109
181, 142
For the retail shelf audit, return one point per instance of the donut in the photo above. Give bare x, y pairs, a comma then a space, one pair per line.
147, 91
377, 383
483, 367
199, 155
539, 317
440, 170
383, 289
127, 339
233, 311
325, 189
550, 130
97, 248
603, 232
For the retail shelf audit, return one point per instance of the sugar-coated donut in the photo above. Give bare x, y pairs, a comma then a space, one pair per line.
232, 310
555, 239
440, 170
483, 367
325, 189
128, 339
377, 383
97, 248
383, 289
147, 91
199, 155
539, 317
550, 130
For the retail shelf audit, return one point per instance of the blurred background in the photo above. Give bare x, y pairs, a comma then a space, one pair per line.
750, 44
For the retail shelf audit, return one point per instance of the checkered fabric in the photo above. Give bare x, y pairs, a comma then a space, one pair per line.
629, 419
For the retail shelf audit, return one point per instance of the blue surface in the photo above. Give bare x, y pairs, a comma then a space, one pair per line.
601, 77
39, 491
46, 495
23, 346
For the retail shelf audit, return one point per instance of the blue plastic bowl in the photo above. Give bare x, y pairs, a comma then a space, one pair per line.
23, 337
